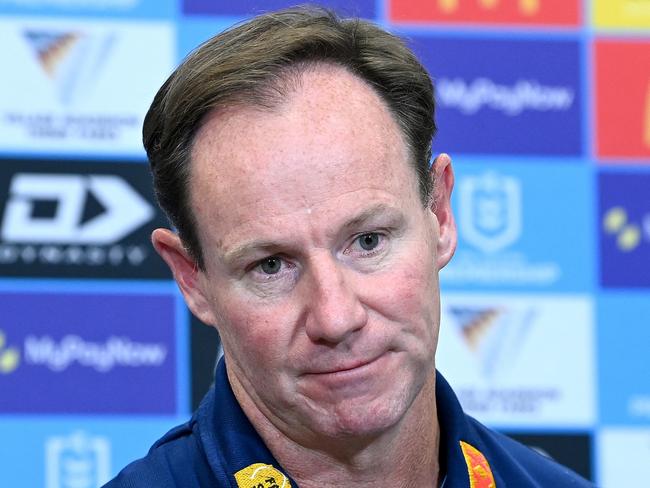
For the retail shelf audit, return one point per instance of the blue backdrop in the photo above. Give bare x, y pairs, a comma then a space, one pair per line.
544, 106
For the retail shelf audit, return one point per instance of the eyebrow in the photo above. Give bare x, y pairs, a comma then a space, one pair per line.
380, 209
242, 250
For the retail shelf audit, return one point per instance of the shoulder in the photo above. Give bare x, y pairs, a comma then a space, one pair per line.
177, 459
520, 465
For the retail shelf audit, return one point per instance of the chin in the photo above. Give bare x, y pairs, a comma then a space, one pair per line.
361, 417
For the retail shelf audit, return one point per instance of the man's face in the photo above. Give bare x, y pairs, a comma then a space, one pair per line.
320, 259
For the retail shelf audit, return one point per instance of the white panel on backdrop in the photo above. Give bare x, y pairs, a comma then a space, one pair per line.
623, 458
520, 360
80, 86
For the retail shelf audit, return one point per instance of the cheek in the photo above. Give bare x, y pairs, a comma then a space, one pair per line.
409, 292
255, 335
408, 296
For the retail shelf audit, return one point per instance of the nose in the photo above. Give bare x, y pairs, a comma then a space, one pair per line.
334, 308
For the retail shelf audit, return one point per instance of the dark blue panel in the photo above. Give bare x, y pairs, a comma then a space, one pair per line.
624, 229
498, 96
88, 353
361, 8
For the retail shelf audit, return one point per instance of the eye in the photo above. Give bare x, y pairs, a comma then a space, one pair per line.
368, 241
271, 265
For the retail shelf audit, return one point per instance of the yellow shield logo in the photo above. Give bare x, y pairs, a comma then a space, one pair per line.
261, 475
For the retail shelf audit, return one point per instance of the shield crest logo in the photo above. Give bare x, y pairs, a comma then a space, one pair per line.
490, 211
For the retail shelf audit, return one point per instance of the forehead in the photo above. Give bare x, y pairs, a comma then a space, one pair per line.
332, 136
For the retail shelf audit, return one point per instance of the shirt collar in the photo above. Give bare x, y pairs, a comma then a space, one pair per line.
230, 442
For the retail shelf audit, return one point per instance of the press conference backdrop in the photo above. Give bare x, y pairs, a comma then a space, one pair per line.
544, 106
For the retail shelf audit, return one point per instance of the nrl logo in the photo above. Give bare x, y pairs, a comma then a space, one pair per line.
490, 211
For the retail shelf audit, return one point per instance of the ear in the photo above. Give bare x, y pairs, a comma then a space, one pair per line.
185, 271
442, 179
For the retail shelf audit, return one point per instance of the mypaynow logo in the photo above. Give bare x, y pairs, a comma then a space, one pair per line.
512, 100
88, 353
101, 356
500, 87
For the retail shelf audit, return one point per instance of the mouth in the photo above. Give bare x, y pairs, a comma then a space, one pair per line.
348, 379
346, 368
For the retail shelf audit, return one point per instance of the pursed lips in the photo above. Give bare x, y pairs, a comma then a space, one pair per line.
342, 368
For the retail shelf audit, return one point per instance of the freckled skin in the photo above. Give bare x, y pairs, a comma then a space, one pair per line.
336, 349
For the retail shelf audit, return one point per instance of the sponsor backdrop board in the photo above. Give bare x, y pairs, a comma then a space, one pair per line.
508, 240
88, 353
544, 105
508, 368
88, 91
63, 218
513, 96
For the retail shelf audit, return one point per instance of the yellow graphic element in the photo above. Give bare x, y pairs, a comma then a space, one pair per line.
51, 58
261, 475
51, 49
9, 358
526, 7
488, 4
478, 469
621, 13
529, 7
646, 119
476, 329
628, 236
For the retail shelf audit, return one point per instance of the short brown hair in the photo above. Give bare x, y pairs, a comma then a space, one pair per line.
244, 64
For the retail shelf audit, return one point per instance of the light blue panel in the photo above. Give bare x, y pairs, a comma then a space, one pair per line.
622, 457
81, 452
524, 225
154, 9
623, 349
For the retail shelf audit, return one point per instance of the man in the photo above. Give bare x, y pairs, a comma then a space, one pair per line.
292, 154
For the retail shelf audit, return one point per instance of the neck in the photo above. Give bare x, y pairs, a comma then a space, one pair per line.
406, 455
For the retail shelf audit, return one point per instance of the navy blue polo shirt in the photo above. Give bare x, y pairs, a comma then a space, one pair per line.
219, 447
